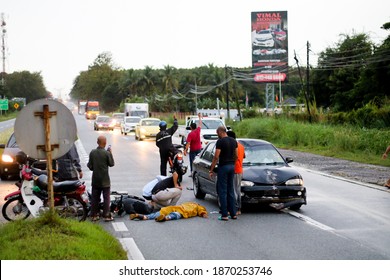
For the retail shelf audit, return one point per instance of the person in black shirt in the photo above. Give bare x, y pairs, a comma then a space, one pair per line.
164, 143
167, 191
68, 166
225, 155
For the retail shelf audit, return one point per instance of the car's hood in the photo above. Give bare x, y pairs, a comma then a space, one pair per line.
267, 174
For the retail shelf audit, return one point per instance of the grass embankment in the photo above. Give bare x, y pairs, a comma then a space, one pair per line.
52, 238
345, 142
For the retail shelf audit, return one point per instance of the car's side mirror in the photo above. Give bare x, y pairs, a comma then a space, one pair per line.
289, 160
2, 146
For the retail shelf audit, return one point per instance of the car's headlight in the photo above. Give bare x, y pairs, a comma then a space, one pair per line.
294, 182
7, 158
247, 183
143, 130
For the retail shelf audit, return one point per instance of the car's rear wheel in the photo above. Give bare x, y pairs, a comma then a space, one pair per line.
196, 185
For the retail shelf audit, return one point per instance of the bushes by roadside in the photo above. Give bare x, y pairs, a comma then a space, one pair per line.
341, 141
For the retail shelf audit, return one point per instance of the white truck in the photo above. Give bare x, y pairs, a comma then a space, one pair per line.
208, 130
137, 109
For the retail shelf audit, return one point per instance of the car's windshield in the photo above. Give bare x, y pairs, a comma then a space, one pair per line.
211, 124
262, 154
103, 119
150, 122
12, 142
132, 120
118, 116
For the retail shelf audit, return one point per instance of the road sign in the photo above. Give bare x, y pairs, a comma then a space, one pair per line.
3, 104
30, 129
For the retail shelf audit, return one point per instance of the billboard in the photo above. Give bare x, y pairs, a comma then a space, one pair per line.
269, 46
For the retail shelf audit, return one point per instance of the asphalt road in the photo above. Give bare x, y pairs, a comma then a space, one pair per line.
344, 220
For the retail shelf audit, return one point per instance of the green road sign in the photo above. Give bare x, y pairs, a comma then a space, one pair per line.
3, 104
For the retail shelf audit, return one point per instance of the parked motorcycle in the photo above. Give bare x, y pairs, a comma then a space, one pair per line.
176, 161
70, 197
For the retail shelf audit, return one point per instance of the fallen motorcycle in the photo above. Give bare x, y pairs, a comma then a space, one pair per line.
70, 197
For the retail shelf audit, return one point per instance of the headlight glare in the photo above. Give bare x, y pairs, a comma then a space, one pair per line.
247, 184
294, 182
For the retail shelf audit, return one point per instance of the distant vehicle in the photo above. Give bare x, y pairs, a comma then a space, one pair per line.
264, 38
128, 124
268, 179
103, 123
81, 106
92, 109
209, 127
118, 118
137, 109
147, 128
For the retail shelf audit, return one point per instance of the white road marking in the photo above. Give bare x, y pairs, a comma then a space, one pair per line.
133, 253
308, 220
119, 226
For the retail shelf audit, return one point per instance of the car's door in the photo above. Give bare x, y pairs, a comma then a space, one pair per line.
205, 161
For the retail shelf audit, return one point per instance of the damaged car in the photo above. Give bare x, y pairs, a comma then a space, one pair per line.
268, 179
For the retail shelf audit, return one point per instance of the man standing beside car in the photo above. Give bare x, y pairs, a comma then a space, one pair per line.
238, 171
226, 155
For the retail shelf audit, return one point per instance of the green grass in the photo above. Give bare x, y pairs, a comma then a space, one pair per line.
52, 238
345, 142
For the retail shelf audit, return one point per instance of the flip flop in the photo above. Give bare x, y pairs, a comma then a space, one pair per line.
223, 218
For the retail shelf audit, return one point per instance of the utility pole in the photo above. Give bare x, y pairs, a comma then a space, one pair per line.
307, 72
196, 98
303, 90
3, 33
227, 93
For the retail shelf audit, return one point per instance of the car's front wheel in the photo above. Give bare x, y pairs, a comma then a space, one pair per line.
196, 185
295, 207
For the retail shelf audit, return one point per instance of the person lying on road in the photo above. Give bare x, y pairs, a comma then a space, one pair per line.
185, 210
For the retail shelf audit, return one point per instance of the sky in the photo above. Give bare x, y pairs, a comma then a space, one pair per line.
60, 39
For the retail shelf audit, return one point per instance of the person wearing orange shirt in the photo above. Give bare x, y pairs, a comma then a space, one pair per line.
238, 171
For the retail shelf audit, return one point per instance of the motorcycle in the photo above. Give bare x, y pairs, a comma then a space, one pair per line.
70, 197
176, 161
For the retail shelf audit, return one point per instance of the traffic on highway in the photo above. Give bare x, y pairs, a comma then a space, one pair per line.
342, 220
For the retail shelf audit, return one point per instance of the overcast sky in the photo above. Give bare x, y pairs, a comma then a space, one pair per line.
61, 38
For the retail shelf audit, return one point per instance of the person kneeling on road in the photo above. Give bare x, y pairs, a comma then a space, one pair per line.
163, 191
185, 210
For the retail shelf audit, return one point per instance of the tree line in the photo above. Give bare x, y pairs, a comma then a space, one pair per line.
348, 76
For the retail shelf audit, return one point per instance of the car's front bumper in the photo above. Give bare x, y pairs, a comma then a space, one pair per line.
274, 194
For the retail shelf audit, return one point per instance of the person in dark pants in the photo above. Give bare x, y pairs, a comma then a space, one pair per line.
225, 155
164, 143
193, 141
68, 166
100, 160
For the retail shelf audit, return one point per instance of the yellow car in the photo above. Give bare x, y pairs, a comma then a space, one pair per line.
147, 128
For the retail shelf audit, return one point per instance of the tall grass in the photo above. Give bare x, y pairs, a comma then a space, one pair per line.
342, 141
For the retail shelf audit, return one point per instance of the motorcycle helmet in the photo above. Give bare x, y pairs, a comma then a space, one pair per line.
163, 125
21, 158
